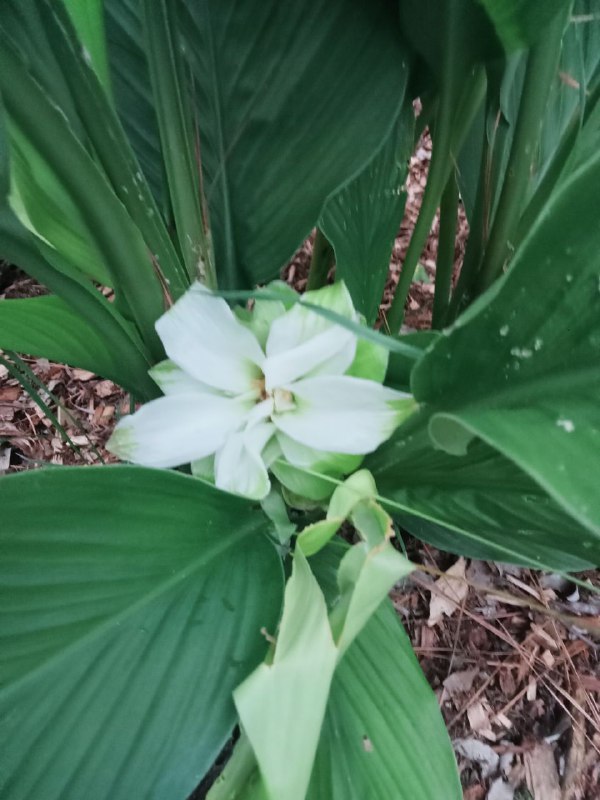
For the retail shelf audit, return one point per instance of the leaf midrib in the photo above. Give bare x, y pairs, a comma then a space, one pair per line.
97, 631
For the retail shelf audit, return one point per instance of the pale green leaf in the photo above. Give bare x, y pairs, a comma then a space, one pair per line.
282, 704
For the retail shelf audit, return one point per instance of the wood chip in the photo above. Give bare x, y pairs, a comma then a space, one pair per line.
479, 719
541, 774
4, 459
8, 394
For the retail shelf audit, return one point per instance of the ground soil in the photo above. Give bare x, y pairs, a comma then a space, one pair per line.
512, 655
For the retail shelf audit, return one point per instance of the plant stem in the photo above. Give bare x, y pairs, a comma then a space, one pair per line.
320, 262
478, 230
447, 139
239, 771
445, 257
167, 77
541, 69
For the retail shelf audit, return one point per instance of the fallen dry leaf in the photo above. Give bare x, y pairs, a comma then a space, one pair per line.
459, 682
448, 592
83, 374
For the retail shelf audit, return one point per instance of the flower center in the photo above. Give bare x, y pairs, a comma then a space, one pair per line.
283, 399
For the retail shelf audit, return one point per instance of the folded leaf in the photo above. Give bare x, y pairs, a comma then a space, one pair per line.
361, 220
479, 505
381, 716
520, 368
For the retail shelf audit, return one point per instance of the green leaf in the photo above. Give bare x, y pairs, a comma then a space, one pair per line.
361, 220
125, 627
282, 704
132, 90
45, 208
269, 144
46, 326
519, 369
521, 23
479, 505
111, 147
381, 716
88, 18
89, 314
4, 168
176, 126
108, 225
433, 28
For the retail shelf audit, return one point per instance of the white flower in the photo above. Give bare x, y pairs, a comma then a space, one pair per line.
264, 389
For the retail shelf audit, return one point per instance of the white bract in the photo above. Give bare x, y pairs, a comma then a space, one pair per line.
264, 389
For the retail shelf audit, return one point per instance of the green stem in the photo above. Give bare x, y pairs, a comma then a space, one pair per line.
167, 77
241, 771
429, 105
445, 257
447, 139
320, 262
478, 230
540, 71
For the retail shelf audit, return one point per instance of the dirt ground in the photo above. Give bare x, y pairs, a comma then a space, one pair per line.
512, 655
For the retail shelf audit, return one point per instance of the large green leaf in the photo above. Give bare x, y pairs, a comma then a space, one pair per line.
112, 347
132, 602
34, 115
520, 23
460, 26
46, 326
278, 89
382, 717
88, 18
132, 89
479, 505
361, 220
520, 368
109, 144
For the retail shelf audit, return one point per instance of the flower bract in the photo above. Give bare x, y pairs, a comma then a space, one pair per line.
277, 388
